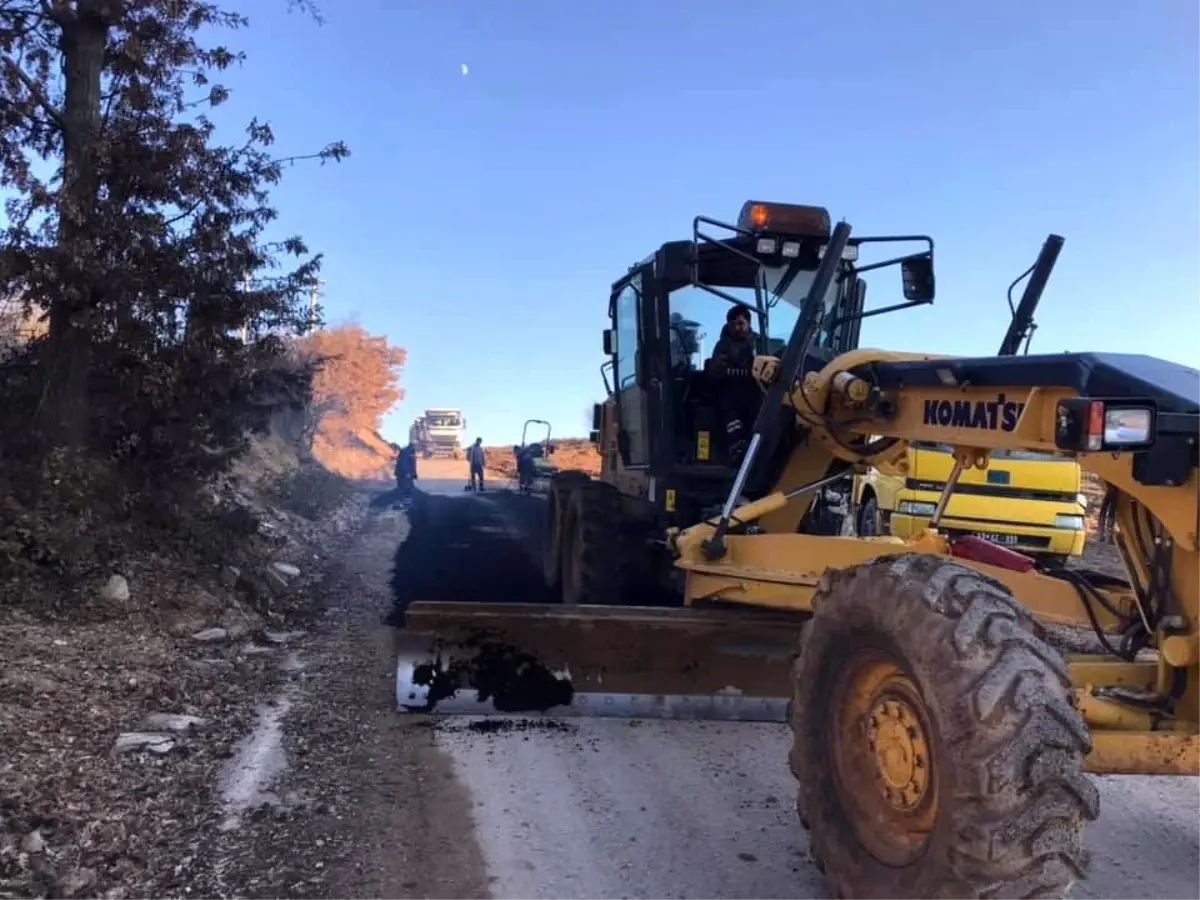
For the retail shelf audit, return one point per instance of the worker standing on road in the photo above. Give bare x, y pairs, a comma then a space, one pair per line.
738, 396
406, 470
477, 459
525, 468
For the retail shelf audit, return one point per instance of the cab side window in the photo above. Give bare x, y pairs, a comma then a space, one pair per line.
631, 399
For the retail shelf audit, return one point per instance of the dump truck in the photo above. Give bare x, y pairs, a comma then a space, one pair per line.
941, 740
1029, 501
439, 432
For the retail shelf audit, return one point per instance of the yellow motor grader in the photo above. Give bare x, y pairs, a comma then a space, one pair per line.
940, 738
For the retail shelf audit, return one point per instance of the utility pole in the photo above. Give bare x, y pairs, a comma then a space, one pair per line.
314, 294
246, 284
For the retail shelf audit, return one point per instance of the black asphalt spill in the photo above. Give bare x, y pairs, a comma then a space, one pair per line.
460, 550
514, 681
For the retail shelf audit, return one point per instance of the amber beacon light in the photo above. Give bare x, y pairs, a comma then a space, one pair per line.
785, 218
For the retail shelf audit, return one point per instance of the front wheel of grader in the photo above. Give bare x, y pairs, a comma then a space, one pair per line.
592, 545
935, 742
561, 484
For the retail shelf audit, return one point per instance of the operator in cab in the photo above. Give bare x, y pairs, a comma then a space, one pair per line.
737, 394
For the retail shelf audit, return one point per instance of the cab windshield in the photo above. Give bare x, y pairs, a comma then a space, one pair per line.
697, 316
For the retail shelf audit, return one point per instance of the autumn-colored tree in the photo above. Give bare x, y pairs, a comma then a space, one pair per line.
357, 381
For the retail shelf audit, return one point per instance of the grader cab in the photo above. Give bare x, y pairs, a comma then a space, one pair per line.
940, 735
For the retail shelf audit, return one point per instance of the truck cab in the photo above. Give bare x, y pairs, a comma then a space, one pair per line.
442, 432
1030, 502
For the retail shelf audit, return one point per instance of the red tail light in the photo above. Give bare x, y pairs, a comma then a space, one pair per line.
979, 550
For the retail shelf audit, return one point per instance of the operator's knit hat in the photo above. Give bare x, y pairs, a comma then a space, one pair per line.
737, 311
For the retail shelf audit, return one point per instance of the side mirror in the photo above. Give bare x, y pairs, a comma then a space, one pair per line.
917, 274
608, 342
597, 416
594, 437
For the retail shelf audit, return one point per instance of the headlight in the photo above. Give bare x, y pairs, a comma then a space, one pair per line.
1123, 427
915, 508
850, 254
1091, 426
765, 246
1069, 523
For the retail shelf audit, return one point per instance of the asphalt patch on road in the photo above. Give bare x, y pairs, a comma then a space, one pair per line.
464, 550
393, 498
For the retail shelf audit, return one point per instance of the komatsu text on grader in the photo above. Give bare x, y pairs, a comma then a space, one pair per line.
940, 740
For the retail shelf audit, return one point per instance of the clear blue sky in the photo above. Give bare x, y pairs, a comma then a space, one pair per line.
481, 219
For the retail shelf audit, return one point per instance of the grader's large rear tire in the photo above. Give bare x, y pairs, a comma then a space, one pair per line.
592, 549
934, 738
561, 484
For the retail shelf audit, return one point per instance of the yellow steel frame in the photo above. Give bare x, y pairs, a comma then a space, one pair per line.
781, 569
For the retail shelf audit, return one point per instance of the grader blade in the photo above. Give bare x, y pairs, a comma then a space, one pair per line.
639, 662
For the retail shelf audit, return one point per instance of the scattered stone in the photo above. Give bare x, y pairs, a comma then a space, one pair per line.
33, 842
238, 623
172, 722
747, 857
33, 682
78, 881
115, 590
256, 650
212, 665
295, 799
275, 583
210, 635
230, 575
157, 743
286, 569
279, 638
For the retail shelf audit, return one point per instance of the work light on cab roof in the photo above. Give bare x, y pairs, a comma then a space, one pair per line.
775, 223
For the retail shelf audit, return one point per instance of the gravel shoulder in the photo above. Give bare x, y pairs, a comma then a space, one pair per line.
364, 803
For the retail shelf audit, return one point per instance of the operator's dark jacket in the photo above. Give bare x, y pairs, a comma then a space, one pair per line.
736, 356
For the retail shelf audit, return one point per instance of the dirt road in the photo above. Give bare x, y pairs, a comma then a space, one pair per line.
371, 803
